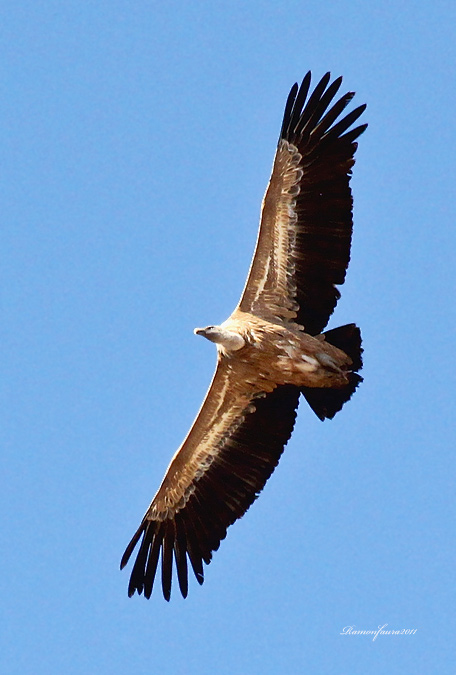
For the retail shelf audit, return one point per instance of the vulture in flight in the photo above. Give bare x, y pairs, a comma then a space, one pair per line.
271, 350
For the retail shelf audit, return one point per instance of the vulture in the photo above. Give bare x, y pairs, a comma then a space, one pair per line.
271, 350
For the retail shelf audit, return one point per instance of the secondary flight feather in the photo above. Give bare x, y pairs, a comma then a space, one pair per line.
271, 350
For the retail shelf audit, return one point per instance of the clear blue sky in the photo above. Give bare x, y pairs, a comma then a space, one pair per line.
136, 143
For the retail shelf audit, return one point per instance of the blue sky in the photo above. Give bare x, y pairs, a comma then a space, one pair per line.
137, 140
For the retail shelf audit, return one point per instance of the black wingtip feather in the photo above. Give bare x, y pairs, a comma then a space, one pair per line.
299, 103
288, 110
198, 528
310, 106
307, 118
353, 134
167, 559
293, 107
180, 553
132, 545
332, 114
338, 129
152, 562
137, 573
317, 109
193, 550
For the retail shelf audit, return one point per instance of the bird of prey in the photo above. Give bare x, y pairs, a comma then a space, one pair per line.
271, 350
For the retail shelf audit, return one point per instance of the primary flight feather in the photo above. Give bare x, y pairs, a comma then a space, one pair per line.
270, 350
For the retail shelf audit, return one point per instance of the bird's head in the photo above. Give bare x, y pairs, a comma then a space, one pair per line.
229, 340
210, 332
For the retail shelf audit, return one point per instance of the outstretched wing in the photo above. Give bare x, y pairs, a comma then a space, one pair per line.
303, 246
231, 450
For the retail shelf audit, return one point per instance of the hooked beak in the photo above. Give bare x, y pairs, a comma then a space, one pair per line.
200, 331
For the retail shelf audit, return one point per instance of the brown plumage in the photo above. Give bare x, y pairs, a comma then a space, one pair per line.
271, 348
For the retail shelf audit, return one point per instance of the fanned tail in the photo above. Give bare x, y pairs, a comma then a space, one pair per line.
327, 402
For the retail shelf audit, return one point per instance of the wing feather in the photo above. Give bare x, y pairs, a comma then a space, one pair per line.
180, 551
167, 557
303, 246
152, 561
230, 452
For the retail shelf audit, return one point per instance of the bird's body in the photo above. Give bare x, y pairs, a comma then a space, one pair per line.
282, 353
270, 350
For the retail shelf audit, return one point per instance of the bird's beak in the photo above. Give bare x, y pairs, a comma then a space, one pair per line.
200, 331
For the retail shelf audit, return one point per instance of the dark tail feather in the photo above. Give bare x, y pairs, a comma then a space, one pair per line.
327, 402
